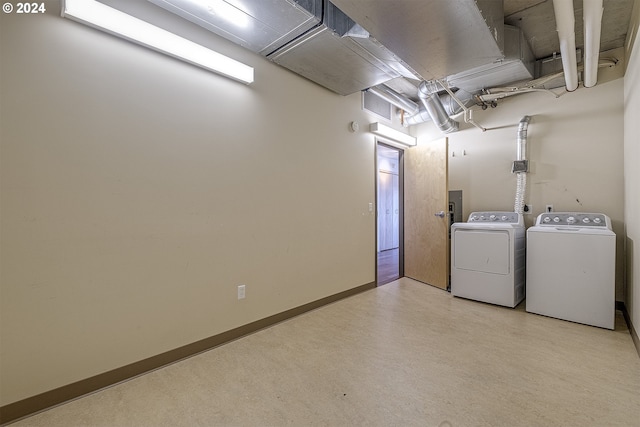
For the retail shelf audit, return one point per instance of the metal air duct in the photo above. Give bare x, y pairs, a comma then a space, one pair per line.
520, 166
259, 25
426, 33
451, 107
395, 98
340, 55
428, 93
521, 152
518, 64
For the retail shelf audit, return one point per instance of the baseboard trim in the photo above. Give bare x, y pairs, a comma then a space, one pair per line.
31, 405
634, 334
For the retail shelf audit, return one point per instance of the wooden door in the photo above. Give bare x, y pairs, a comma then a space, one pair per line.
426, 223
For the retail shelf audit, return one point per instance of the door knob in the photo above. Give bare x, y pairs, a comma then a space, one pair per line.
440, 214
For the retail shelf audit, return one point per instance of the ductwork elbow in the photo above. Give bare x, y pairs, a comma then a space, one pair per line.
428, 93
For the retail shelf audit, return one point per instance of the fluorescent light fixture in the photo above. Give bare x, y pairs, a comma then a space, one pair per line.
113, 21
392, 134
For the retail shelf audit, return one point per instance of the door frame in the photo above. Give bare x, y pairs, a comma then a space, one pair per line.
381, 142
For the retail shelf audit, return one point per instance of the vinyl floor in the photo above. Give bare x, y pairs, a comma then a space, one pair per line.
403, 354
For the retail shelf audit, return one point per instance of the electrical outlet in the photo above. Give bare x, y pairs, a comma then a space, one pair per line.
241, 291
528, 209
549, 208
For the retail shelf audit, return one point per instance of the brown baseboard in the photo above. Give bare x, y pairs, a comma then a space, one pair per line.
634, 334
40, 402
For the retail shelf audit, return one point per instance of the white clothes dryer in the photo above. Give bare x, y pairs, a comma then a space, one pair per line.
488, 258
571, 263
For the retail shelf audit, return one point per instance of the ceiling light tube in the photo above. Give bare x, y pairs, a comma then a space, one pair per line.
565, 24
592, 29
392, 134
113, 21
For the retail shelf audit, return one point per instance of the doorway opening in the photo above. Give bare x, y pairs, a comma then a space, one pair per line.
389, 191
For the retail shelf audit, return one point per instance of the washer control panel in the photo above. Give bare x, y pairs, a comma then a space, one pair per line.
502, 217
575, 219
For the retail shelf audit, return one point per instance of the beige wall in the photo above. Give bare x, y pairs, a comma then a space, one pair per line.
632, 173
138, 191
575, 149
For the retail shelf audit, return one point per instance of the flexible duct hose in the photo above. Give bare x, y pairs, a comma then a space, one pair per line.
520, 190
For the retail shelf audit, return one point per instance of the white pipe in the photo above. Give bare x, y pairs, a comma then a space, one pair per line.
468, 118
519, 91
592, 28
495, 93
565, 24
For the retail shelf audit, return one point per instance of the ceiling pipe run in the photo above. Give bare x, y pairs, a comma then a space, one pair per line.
428, 93
537, 85
565, 24
592, 12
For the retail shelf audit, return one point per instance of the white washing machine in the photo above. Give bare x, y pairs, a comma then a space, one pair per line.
488, 258
571, 260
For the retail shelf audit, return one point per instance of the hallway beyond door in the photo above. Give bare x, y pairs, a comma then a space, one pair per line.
388, 266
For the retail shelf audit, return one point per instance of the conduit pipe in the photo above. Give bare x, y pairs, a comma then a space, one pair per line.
395, 98
428, 93
521, 154
515, 91
592, 12
565, 24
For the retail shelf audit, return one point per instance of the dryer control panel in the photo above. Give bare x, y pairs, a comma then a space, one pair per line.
574, 219
501, 217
